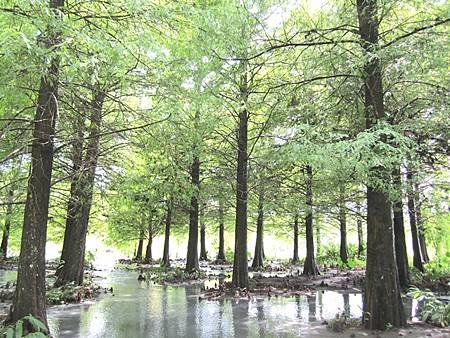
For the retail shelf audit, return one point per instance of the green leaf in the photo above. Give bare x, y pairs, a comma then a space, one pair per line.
35, 335
10, 333
36, 323
19, 328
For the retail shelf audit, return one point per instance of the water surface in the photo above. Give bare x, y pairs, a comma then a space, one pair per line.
138, 309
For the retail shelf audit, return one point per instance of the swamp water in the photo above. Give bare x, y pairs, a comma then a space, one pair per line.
139, 309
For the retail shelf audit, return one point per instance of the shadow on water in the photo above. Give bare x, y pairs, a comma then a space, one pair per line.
139, 309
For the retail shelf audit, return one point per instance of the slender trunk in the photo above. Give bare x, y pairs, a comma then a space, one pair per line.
166, 259
148, 251
140, 247
382, 298
74, 250
258, 259
310, 267
420, 226
192, 252
240, 263
29, 297
221, 254
343, 251
8, 217
318, 239
73, 203
417, 257
203, 253
359, 226
295, 255
399, 234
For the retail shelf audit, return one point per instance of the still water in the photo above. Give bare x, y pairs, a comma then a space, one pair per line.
138, 309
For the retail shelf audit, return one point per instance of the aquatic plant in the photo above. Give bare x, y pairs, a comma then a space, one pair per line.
432, 309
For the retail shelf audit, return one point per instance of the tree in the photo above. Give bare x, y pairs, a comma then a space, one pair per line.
80, 203
417, 255
382, 301
192, 251
29, 297
240, 264
258, 258
399, 233
343, 250
309, 267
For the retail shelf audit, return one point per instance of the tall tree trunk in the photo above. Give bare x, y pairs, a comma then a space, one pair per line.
417, 256
399, 233
258, 259
74, 250
359, 226
343, 250
221, 253
203, 253
29, 297
166, 259
295, 255
8, 217
148, 251
192, 252
140, 247
310, 267
382, 299
318, 240
73, 204
240, 263
420, 226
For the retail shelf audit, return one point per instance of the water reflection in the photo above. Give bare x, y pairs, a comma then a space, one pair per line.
143, 310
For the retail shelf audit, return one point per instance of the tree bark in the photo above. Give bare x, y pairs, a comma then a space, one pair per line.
295, 255
166, 259
343, 250
417, 256
318, 240
73, 253
420, 226
8, 217
240, 263
29, 297
148, 251
359, 226
221, 253
73, 204
258, 258
140, 247
310, 267
203, 253
382, 300
192, 252
399, 234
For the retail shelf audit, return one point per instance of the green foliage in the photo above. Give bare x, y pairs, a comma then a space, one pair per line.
329, 256
439, 267
435, 271
71, 293
174, 275
431, 309
17, 330
229, 254
341, 321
